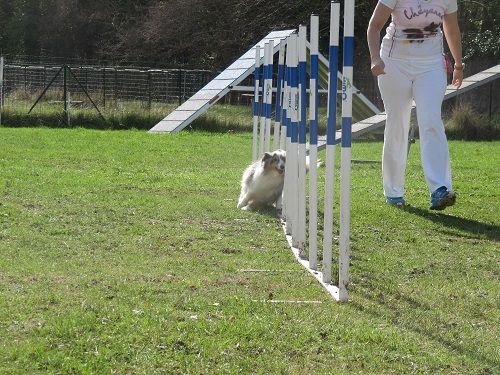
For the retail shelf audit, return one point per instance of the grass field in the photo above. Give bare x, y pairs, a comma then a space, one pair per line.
122, 252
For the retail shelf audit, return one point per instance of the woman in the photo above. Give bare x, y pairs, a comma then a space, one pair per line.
410, 66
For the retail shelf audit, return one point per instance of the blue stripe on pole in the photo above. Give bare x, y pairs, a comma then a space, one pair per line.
264, 91
278, 92
269, 110
294, 82
346, 131
256, 99
313, 124
302, 101
332, 95
314, 66
348, 51
262, 102
314, 134
269, 91
295, 132
289, 129
287, 121
285, 99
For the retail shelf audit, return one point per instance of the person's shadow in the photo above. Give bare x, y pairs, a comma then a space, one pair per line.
475, 228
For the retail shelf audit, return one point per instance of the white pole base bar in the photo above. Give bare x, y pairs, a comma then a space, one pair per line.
333, 290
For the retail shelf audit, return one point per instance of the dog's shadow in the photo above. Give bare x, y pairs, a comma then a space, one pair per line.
268, 211
475, 228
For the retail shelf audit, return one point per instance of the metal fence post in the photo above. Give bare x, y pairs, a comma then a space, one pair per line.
180, 86
1, 87
104, 87
65, 93
149, 89
491, 99
116, 87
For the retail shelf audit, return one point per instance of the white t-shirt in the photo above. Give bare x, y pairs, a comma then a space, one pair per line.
415, 28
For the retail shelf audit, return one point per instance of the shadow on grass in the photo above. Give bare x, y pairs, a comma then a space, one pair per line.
475, 228
391, 305
268, 211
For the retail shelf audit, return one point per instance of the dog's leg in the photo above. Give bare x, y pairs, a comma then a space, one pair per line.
243, 201
279, 205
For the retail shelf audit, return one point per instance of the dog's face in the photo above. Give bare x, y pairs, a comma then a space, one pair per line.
275, 161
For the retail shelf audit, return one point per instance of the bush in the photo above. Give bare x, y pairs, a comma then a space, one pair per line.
466, 124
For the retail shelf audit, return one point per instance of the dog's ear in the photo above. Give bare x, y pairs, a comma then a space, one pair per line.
266, 156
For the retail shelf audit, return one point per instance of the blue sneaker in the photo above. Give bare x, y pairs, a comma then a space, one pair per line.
442, 198
396, 201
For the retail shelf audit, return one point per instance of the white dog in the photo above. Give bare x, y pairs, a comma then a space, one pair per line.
262, 181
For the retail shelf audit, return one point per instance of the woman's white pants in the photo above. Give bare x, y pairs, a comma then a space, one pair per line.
403, 82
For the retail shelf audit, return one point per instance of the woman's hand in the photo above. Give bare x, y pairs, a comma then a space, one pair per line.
378, 67
453, 37
458, 77
379, 18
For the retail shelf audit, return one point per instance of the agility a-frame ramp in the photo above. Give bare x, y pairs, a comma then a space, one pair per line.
234, 74
218, 87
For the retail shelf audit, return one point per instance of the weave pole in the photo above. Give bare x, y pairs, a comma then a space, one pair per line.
330, 141
313, 144
345, 153
302, 83
284, 123
279, 97
256, 105
294, 118
287, 102
294, 123
268, 92
292, 141
262, 117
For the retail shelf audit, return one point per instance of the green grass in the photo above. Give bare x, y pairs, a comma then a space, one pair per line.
117, 115
123, 115
120, 253
462, 121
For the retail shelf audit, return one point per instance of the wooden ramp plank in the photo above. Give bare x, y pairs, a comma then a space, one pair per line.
219, 86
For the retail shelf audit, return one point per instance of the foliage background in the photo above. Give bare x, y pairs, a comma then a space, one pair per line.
194, 33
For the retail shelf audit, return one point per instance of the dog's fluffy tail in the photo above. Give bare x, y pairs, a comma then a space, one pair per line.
319, 163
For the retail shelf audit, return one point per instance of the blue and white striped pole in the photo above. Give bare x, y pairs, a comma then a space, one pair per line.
279, 98
268, 92
313, 145
292, 162
262, 130
345, 153
287, 105
284, 123
330, 141
256, 105
302, 83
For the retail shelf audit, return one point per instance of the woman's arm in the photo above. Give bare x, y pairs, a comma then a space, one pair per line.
379, 18
454, 40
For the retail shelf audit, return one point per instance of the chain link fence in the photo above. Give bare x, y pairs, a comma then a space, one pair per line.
108, 84
146, 94
139, 96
